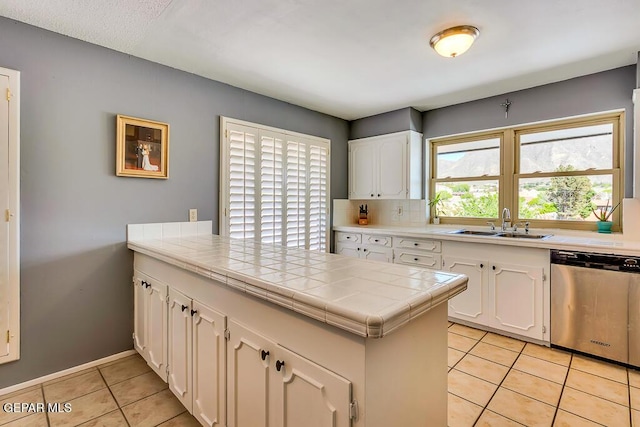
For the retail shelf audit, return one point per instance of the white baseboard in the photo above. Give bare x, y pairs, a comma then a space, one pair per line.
72, 370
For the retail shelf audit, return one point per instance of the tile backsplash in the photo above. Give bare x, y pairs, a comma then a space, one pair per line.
389, 212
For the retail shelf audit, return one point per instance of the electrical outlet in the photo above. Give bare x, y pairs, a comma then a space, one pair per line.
193, 215
399, 210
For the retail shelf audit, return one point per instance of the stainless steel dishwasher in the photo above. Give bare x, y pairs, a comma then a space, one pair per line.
595, 304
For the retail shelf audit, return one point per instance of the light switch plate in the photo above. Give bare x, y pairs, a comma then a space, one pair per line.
193, 215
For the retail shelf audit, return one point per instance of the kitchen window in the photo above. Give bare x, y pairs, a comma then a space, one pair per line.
274, 185
550, 175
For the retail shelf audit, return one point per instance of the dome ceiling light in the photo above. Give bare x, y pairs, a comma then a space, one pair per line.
454, 41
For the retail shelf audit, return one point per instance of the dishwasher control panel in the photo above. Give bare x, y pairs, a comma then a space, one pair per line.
598, 261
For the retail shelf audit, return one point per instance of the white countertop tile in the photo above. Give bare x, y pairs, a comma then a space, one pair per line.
584, 241
363, 297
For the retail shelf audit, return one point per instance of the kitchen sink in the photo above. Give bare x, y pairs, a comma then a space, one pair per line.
524, 236
475, 233
501, 234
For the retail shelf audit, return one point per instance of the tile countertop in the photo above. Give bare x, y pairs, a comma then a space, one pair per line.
583, 241
367, 298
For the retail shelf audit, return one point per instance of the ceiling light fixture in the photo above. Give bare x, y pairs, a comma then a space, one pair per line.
454, 41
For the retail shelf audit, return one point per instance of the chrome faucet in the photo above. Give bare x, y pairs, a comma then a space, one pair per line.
506, 219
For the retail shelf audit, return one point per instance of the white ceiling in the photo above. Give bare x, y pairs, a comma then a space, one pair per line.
355, 58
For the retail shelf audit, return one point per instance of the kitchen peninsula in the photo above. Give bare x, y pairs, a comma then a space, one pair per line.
255, 334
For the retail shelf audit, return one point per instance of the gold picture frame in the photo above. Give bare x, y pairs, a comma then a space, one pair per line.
142, 148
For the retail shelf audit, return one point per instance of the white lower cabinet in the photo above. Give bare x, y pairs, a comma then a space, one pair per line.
508, 289
196, 358
472, 304
366, 246
150, 322
271, 386
516, 299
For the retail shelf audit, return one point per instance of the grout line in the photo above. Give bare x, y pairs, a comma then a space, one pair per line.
114, 399
44, 399
166, 421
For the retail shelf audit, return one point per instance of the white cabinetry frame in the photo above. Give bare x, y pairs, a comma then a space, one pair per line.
274, 367
9, 206
386, 166
196, 358
508, 288
150, 322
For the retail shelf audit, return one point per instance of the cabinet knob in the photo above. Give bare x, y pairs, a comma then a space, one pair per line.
147, 284
371, 194
416, 244
193, 312
376, 240
493, 267
348, 237
184, 307
358, 248
264, 354
365, 249
378, 195
416, 259
481, 265
279, 365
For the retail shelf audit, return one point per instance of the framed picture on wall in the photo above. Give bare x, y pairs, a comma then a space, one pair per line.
142, 148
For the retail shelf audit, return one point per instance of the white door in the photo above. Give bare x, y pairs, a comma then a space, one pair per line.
156, 336
377, 254
306, 394
248, 357
516, 300
179, 349
139, 315
392, 168
470, 304
4, 229
347, 250
209, 375
362, 170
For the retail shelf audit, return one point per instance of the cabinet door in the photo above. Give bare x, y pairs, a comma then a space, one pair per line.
348, 250
470, 304
362, 170
306, 394
377, 254
516, 299
209, 376
156, 335
139, 315
248, 377
392, 168
179, 359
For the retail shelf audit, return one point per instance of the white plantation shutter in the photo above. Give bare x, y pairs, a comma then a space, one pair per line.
296, 194
318, 196
242, 183
274, 186
271, 183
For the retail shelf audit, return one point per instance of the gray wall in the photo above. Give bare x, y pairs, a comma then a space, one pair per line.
76, 294
393, 121
608, 90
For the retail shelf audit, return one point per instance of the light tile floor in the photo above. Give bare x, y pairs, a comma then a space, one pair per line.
500, 381
125, 392
493, 381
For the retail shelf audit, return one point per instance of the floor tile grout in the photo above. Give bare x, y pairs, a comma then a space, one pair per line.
569, 366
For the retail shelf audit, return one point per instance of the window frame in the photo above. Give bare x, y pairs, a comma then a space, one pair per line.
288, 136
508, 189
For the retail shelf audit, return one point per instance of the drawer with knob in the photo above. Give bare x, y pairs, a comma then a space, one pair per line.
421, 244
377, 240
427, 260
344, 237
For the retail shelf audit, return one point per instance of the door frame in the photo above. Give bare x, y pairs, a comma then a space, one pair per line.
13, 98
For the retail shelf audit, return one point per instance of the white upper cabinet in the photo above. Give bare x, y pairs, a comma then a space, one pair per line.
386, 167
